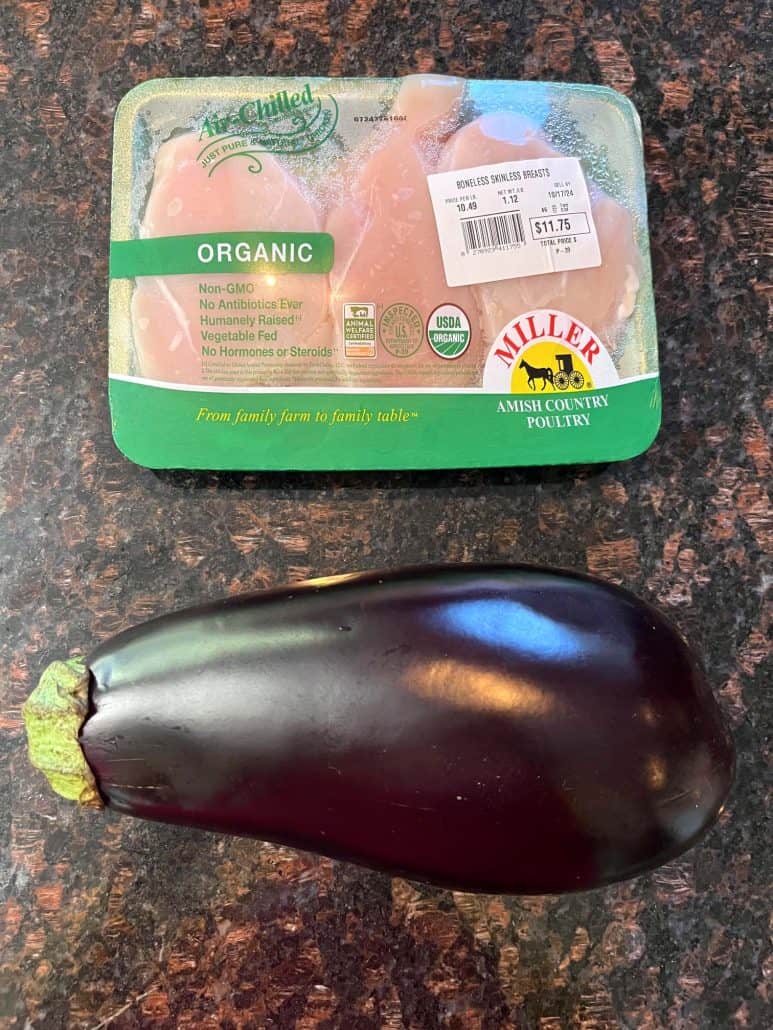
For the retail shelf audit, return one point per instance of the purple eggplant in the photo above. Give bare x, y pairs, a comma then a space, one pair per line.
484, 727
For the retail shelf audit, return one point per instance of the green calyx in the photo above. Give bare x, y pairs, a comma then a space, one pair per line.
53, 715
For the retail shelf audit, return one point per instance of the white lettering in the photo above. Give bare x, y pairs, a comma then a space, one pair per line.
243, 252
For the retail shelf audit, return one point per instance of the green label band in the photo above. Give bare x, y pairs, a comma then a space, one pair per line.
224, 252
163, 428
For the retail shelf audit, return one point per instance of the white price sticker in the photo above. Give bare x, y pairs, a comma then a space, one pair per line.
517, 218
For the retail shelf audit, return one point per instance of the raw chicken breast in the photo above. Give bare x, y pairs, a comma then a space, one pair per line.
600, 297
167, 311
386, 243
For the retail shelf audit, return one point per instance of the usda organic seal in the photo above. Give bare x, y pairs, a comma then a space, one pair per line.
448, 331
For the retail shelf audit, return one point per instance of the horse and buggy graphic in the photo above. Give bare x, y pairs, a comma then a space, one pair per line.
567, 377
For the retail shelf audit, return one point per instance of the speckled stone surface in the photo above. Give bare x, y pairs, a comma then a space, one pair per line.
113, 922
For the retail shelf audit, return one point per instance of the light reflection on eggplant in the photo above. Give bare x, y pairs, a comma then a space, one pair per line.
468, 685
513, 626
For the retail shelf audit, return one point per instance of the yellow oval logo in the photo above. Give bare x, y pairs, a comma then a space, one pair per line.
549, 365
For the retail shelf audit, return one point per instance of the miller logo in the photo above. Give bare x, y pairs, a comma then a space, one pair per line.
284, 122
547, 350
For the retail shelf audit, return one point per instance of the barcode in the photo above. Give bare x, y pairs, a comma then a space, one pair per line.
505, 230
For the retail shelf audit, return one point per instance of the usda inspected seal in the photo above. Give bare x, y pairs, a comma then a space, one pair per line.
448, 331
401, 330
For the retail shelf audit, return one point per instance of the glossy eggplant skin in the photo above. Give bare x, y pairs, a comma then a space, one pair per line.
494, 728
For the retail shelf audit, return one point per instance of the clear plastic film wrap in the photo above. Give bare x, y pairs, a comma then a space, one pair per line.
327, 273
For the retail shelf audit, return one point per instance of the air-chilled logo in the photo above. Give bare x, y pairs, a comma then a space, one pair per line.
285, 122
547, 351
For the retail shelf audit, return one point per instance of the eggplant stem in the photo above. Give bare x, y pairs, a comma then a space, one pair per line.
53, 715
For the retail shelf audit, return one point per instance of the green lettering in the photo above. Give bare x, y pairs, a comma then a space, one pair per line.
247, 113
207, 128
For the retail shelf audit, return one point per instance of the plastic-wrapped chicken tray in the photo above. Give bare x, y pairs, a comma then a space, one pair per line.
424, 272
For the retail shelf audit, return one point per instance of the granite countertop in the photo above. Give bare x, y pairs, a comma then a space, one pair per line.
108, 921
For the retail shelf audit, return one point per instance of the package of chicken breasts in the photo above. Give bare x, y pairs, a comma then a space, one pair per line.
426, 272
